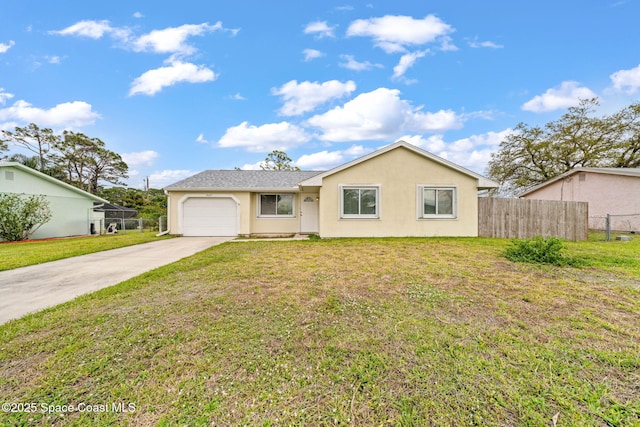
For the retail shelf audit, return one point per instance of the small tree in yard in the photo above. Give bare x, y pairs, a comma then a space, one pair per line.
21, 215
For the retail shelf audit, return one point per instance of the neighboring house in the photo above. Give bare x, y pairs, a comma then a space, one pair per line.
399, 190
614, 191
71, 208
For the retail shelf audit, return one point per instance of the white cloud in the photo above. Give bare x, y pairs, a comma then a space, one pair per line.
472, 153
168, 176
320, 28
5, 47
567, 95
446, 44
320, 161
394, 33
485, 44
76, 113
300, 98
4, 96
325, 160
433, 144
138, 15
153, 81
380, 115
238, 97
89, 28
95, 30
352, 64
169, 40
201, 139
310, 54
265, 138
173, 39
140, 158
252, 166
626, 79
406, 62
53, 59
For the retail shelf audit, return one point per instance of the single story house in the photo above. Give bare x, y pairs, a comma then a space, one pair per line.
613, 191
399, 190
71, 207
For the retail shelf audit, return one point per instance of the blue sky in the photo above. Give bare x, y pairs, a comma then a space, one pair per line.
180, 87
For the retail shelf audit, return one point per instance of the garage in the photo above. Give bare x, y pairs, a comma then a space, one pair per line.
205, 216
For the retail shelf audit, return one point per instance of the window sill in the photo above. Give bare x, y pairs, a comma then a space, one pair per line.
438, 217
359, 217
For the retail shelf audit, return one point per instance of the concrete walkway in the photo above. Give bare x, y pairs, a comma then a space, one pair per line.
28, 289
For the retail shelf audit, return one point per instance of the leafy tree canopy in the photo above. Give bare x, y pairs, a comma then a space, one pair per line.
278, 161
149, 204
531, 155
33, 138
71, 157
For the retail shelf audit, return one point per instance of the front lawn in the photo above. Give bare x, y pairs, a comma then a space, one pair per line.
22, 254
407, 332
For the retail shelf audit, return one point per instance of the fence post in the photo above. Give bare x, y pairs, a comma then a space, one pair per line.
140, 224
608, 227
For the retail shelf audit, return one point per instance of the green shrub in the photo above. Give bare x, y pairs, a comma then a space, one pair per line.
539, 250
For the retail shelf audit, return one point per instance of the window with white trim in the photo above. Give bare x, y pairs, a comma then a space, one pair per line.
275, 205
438, 202
360, 202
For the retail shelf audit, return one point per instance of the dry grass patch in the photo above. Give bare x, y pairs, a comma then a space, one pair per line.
340, 332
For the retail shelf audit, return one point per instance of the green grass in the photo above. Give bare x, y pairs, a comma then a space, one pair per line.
22, 254
402, 332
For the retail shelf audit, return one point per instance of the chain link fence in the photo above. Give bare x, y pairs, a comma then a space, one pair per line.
128, 225
618, 226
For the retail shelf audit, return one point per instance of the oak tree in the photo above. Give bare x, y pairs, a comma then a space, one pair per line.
531, 155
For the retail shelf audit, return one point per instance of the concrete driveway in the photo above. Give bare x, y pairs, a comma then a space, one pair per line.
28, 289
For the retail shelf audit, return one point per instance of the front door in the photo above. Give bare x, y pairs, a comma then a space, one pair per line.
309, 213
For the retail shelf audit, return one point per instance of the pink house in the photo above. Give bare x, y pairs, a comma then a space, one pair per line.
613, 191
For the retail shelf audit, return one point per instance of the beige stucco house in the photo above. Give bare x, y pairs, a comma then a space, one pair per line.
71, 208
613, 191
399, 190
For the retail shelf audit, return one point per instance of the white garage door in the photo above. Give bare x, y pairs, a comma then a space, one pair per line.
210, 217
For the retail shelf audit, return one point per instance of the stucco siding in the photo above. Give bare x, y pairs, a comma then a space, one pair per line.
267, 225
70, 209
398, 173
605, 193
70, 217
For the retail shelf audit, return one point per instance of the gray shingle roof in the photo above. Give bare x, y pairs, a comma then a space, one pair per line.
243, 179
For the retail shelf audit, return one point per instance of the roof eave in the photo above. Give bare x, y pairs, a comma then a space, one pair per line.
54, 181
234, 189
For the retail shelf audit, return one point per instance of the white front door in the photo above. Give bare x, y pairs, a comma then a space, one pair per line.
309, 213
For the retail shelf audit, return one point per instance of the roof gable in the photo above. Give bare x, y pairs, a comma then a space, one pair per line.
52, 180
483, 183
632, 172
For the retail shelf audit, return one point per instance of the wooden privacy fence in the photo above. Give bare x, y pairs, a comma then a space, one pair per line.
527, 218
